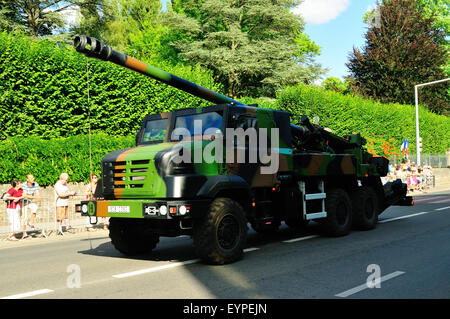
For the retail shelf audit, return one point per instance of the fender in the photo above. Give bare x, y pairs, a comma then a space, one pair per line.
218, 183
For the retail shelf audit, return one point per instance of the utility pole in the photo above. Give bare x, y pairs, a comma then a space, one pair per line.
417, 114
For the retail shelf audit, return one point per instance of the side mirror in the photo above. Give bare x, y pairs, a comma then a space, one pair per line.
138, 135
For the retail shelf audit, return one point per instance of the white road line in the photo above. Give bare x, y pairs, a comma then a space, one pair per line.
168, 266
153, 269
365, 286
401, 217
246, 250
442, 208
422, 199
300, 239
29, 294
447, 200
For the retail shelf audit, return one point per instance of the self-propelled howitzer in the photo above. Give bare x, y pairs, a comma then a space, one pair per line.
94, 48
276, 172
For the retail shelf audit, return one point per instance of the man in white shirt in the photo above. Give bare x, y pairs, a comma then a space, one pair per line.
62, 194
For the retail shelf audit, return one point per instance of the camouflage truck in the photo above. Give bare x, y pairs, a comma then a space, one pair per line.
162, 188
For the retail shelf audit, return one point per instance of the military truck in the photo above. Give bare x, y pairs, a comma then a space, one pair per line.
148, 192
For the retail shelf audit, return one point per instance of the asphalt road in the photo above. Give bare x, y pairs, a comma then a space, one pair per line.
406, 256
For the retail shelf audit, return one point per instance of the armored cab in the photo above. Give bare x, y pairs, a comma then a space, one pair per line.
208, 172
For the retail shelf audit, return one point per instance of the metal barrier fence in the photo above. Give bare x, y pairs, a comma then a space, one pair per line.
436, 161
45, 220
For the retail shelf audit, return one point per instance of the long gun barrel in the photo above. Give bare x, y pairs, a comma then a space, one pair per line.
94, 48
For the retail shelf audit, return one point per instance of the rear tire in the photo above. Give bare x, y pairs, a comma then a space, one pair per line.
131, 236
220, 236
365, 208
339, 213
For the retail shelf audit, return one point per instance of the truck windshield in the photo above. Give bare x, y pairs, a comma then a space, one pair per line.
210, 120
155, 131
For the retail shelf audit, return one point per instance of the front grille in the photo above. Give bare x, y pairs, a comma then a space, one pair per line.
121, 175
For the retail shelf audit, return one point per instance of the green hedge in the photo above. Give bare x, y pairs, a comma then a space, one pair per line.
43, 91
345, 114
47, 159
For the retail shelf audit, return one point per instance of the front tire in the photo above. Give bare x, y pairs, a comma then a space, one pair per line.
220, 236
131, 236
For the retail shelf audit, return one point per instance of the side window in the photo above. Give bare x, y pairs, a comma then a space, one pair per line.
246, 122
249, 125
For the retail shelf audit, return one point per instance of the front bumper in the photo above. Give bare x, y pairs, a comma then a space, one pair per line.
145, 209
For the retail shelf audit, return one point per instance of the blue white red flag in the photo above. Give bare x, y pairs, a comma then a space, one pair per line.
407, 148
402, 147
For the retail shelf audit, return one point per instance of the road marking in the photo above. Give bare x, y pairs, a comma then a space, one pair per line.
300, 239
401, 217
153, 269
365, 286
29, 294
246, 250
440, 201
442, 208
423, 199
164, 267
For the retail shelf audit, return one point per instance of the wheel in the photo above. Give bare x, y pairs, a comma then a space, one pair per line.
365, 208
339, 213
131, 236
220, 236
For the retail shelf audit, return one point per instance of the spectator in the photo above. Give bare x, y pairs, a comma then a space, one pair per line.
412, 179
31, 190
90, 190
420, 179
92, 186
13, 197
62, 194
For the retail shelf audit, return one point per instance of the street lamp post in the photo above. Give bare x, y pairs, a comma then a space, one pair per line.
416, 92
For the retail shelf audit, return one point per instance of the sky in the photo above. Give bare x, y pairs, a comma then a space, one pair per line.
336, 26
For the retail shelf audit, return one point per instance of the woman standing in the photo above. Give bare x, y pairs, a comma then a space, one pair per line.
13, 197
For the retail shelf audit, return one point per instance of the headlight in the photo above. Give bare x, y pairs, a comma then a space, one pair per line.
183, 210
163, 210
84, 208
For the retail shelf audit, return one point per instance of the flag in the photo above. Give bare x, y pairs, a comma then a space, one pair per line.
402, 147
407, 148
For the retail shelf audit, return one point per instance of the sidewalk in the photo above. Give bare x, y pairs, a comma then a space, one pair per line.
442, 183
37, 238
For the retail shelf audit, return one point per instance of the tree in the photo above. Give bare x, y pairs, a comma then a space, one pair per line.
254, 47
405, 49
334, 84
41, 17
93, 19
9, 17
